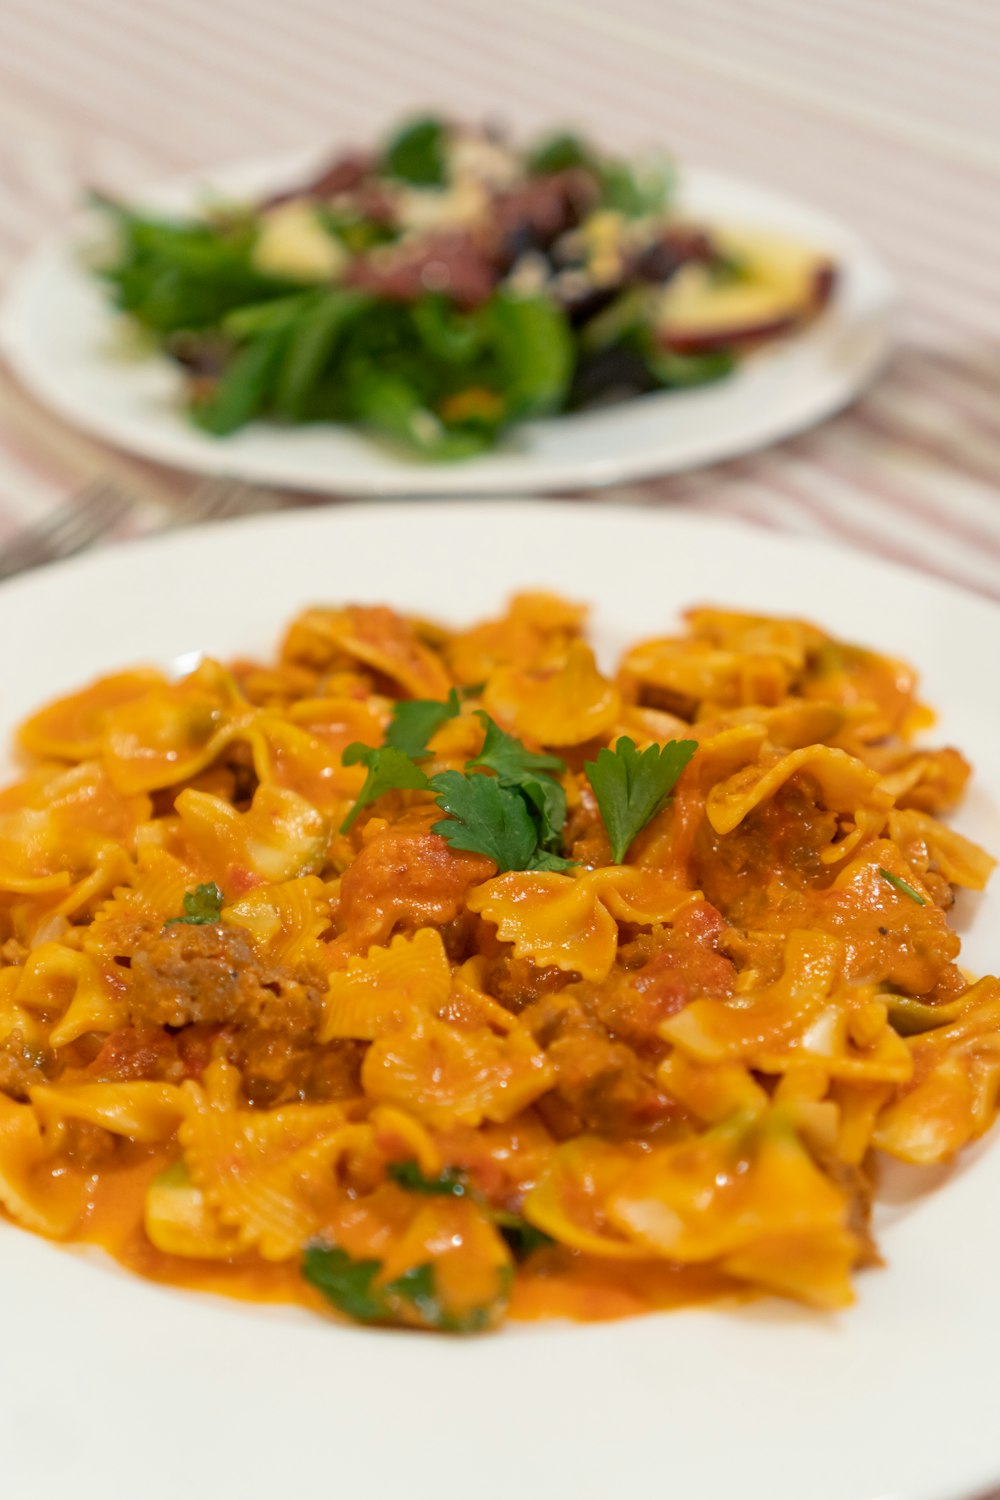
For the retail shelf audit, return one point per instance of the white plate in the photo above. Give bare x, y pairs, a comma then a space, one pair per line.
111, 1388
61, 339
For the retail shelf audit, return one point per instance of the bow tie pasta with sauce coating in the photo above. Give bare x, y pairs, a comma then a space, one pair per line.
432, 975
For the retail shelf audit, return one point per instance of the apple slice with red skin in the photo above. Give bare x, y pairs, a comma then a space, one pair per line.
779, 285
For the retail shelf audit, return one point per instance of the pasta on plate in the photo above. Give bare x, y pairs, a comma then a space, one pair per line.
433, 976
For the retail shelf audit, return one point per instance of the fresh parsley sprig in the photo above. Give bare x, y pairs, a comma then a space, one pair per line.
388, 770
415, 720
631, 786
352, 1287
534, 776
514, 816
201, 906
451, 1182
522, 1238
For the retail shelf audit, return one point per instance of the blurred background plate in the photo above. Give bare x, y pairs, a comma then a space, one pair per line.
62, 340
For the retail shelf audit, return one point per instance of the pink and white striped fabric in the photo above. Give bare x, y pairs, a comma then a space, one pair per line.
885, 113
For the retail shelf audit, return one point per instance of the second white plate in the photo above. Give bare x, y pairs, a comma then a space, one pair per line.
61, 339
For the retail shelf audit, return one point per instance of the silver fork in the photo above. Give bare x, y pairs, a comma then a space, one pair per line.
82, 520
218, 500
93, 512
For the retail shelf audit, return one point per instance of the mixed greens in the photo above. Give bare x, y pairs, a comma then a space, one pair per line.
442, 288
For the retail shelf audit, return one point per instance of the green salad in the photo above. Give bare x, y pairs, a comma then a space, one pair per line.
448, 285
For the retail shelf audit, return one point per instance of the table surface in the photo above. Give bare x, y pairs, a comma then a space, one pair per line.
884, 112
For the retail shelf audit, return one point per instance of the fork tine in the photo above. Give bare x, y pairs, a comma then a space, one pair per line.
218, 499
72, 526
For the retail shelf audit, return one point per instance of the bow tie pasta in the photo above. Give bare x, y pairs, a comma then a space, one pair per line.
431, 975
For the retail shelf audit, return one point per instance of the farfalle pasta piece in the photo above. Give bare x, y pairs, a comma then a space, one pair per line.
566, 705
159, 883
712, 1091
74, 988
140, 1109
691, 677
748, 1197
570, 922
375, 636
841, 673
174, 731
889, 937
537, 630
37, 1194
307, 760
269, 1174
791, 641
552, 919
445, 1076
72, 728
468, 1005
569, 1201
719, 1030
279, 837
285, 922
179, 1221
951, 1098
844, 783
926, 844
64, 828
380, 992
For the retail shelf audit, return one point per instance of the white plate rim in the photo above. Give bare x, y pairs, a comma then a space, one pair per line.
780, 391
610, 1404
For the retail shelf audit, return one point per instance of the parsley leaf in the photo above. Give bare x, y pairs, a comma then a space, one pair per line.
450, 1183
515, 817
201, 906
516, 766
413, 722
901, 885
486, 818
508, 759
388, 770
521, 1237
632, 786
350, 1285
347, 1283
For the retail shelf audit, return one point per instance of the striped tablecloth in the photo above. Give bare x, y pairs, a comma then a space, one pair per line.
885, 113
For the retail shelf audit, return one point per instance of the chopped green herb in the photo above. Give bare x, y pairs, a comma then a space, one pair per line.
351, 1286
451, 1183
486, 818
515, 817
388, 770
414, 722
347, 1283
522, 1238
511, 762
632, 786
201, 906
516, 766
902, 886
